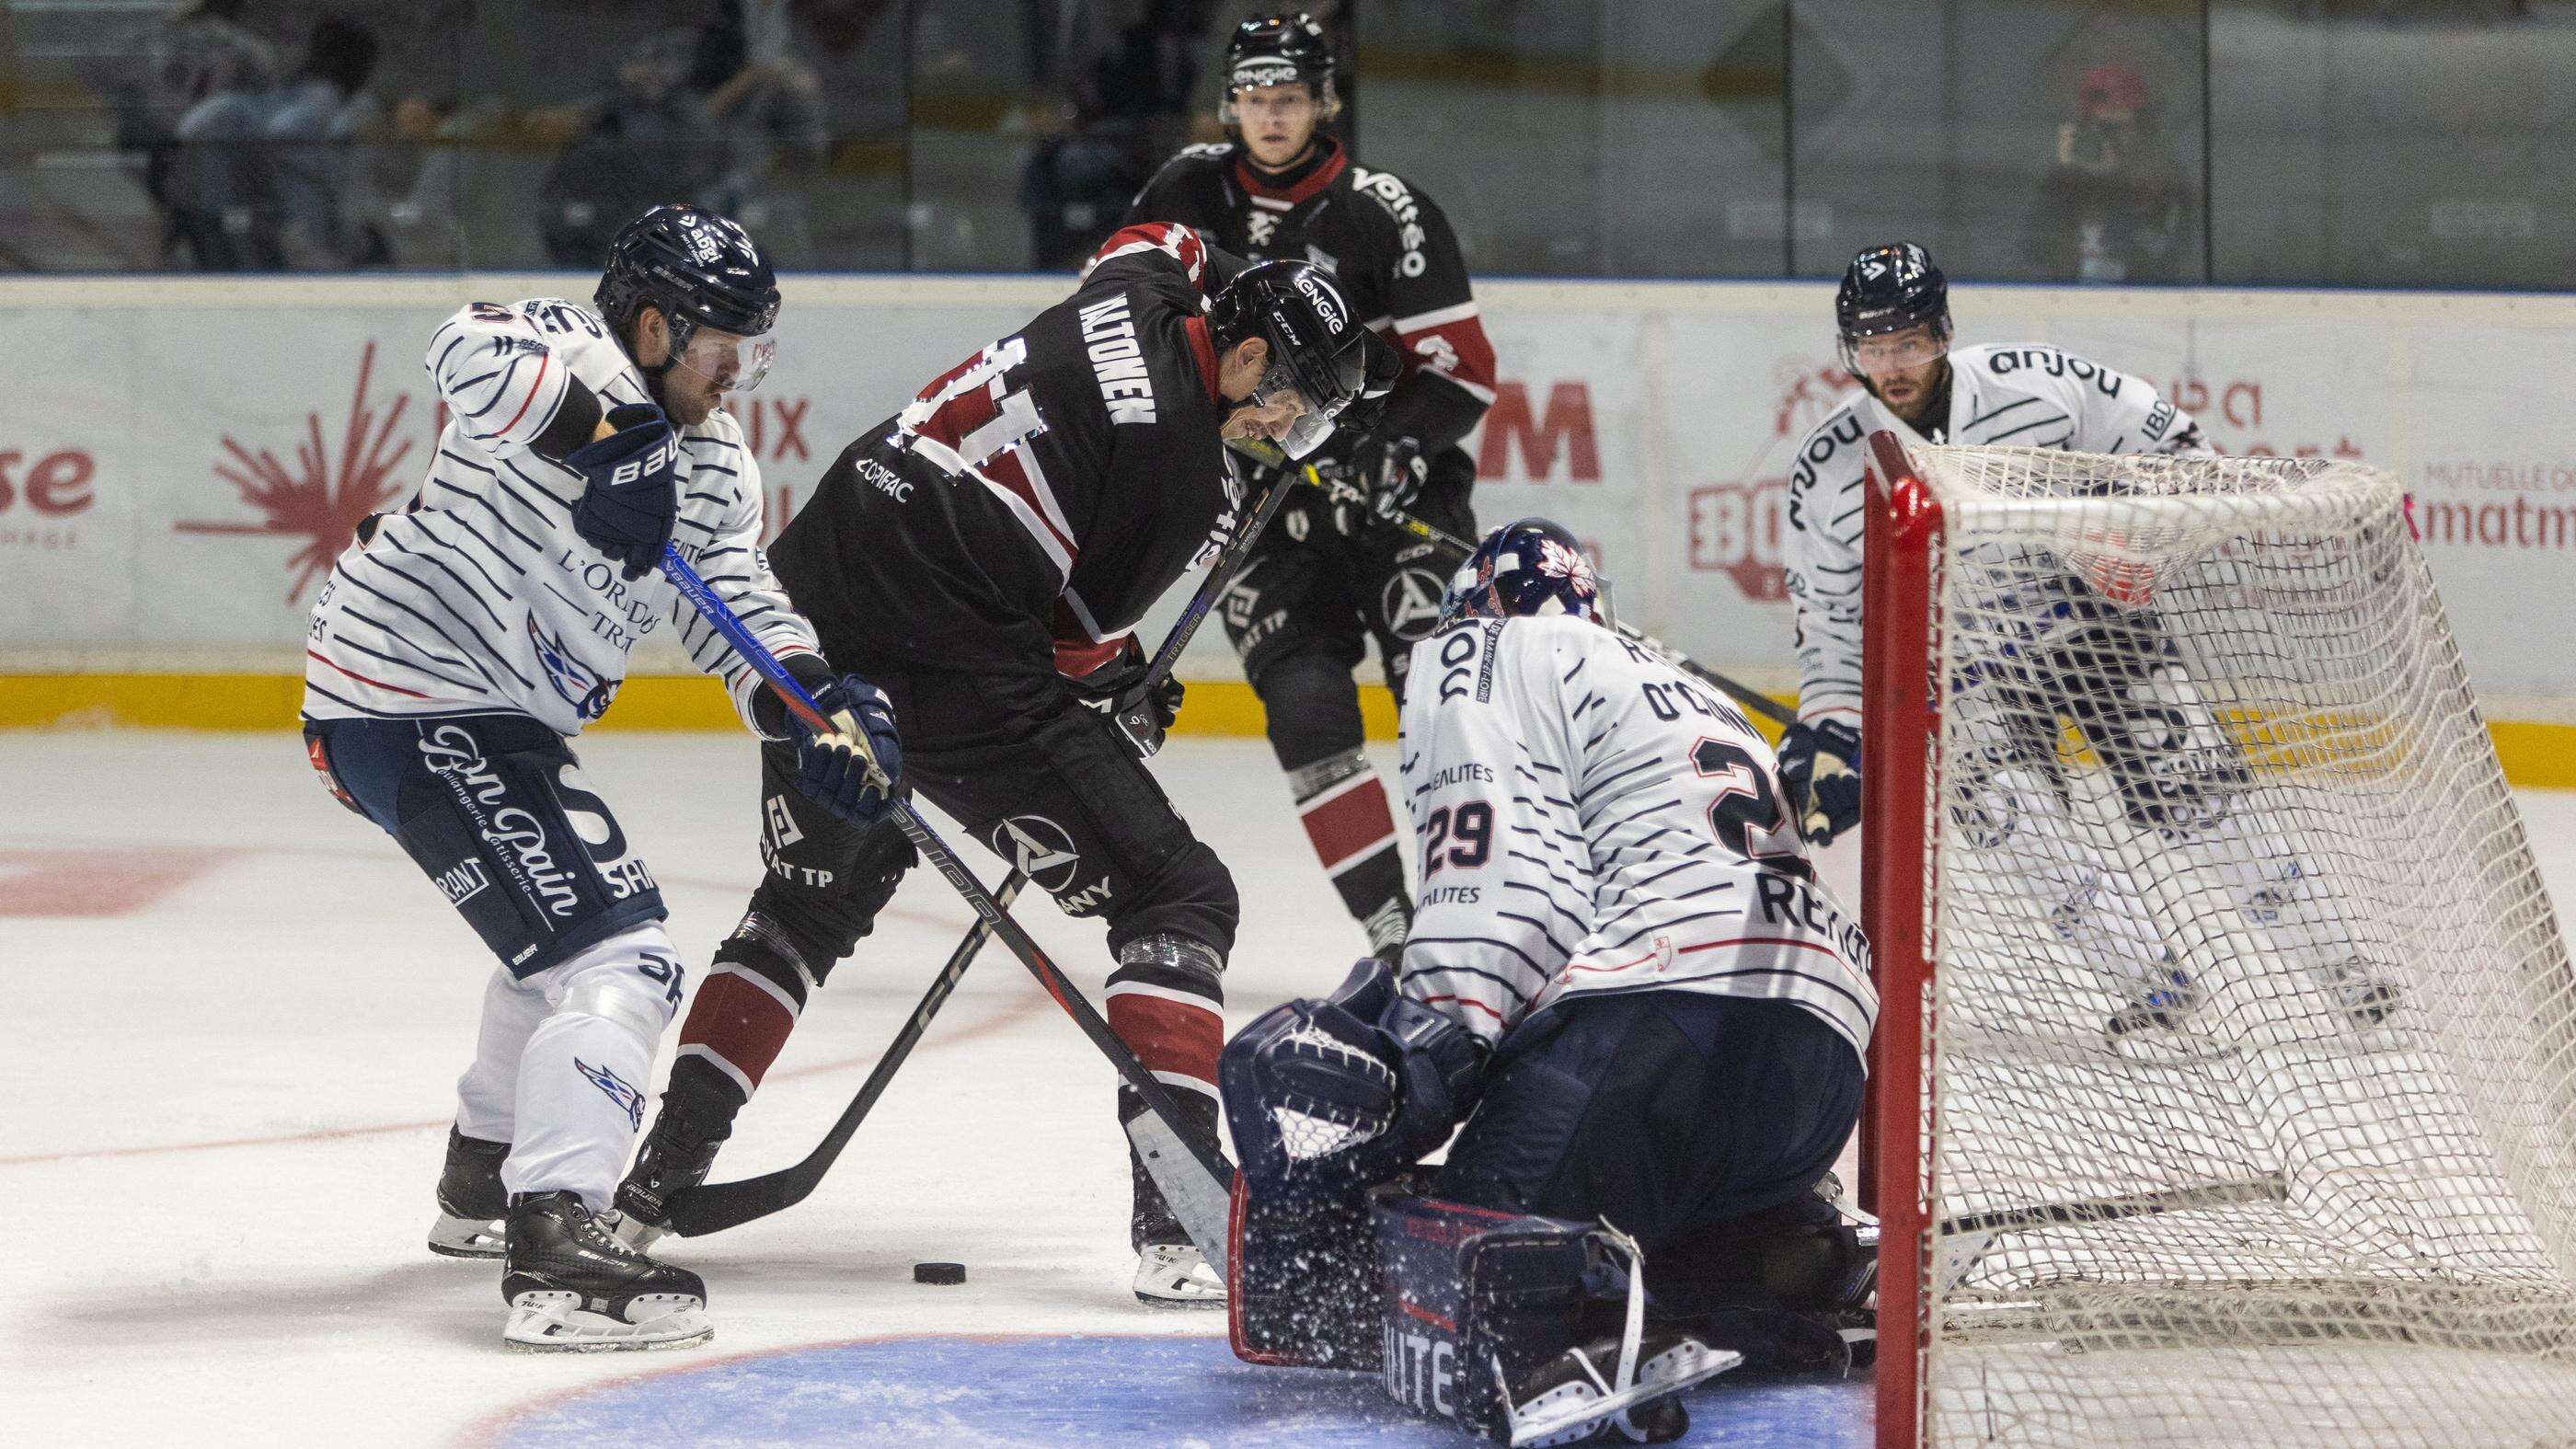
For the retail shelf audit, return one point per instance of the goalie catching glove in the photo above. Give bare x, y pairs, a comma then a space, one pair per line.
853, 771
1357, 1087
1820, 768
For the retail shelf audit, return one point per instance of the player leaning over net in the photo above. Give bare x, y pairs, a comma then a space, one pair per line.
460, 644
2069, 639
1324, 579
985, 555
1625, 981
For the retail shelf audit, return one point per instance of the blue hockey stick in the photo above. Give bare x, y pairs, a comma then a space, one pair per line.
1195, 1178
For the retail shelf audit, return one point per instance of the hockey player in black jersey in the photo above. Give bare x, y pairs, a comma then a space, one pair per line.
988, 552
1323, 579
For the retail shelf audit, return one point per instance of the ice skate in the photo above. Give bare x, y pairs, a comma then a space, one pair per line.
675, 1158
1585, 1397
471, 1204
2367, 998
1177, 1275
573, 1286
2167, 1007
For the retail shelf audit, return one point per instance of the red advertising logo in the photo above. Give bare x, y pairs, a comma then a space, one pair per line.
1562, 428
40, 493
1740, 527
321, 496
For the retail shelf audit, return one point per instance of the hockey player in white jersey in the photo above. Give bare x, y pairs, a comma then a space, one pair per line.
462, 641
1624, 980
2096, 655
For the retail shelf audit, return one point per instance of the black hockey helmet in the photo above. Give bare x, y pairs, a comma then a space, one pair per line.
1317, 347
1890, 289
1276, 49
1526, 568
700, 270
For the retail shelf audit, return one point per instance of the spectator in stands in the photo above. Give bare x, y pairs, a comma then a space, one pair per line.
1126, 69
648, 141
2113, 206
768, 105
186, 87
321, 137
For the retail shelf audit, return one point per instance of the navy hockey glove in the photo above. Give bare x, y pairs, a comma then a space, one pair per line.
834, 770
1820, 768
1118, 690
1440, 1072
632, 491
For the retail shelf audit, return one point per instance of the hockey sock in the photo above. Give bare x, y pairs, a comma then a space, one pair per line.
487, 1095
582, 1076
1166, 1001
1342, 804
755, 989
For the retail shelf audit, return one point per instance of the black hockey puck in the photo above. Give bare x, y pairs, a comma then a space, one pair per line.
939, 1272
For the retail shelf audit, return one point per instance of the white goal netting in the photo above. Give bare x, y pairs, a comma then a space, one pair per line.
2251, 1048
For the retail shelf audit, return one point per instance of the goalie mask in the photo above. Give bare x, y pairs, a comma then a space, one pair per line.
1532, 567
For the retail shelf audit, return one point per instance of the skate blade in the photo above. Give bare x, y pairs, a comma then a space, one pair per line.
457, 1237
1572, 1412
555, 1322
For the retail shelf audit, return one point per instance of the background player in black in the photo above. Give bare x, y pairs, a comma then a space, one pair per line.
1323, 579
988, 550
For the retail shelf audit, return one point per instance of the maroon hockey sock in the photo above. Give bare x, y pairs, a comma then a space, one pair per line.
1353, 832
743, 1014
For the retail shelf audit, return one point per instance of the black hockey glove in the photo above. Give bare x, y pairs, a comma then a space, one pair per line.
1820, 768
1391, 472
633, 488
1118, 690
834, 770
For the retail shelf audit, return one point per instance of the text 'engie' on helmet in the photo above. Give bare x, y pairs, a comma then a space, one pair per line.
1276, 50
1317, 344
698, 268
1889, 289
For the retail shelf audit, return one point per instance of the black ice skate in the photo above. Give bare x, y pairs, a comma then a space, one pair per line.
1595, 1395
1170, 1270
2165, 1008
676, 1157
471, 1203
2367, 999
573, 1286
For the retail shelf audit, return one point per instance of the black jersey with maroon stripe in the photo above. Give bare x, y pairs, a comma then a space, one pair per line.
1082, 449
1387, 245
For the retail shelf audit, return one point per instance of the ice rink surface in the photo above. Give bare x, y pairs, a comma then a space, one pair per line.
235, 1015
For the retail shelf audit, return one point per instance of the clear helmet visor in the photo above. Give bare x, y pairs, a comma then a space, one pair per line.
1887, 353
729, 363
1280, 411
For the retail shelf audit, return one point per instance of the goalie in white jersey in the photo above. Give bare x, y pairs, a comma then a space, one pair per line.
458, 645
1623, 978
2091, 651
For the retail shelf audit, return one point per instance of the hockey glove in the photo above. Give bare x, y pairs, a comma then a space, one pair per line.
632, 492
1390, 472
1119, 690
1820, 768
1440, 1072
853, 771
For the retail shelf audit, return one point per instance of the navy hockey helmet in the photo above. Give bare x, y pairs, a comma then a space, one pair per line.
700, 270
1890, 289
1278, 49
1524, 568
1317, 346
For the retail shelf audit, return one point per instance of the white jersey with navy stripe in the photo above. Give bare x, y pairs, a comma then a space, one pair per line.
480, 595
1591, 821
2000, 396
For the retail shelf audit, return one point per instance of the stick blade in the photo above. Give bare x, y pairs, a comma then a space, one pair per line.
715, 1206
1203, 1205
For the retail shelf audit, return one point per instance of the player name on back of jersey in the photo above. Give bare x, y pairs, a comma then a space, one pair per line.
1126, 385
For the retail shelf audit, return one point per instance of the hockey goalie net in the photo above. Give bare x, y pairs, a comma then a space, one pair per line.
2225, 1089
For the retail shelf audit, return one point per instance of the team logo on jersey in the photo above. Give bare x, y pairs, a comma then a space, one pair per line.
1410, 603
345, 467
617, 1088
1040, 848
580, 686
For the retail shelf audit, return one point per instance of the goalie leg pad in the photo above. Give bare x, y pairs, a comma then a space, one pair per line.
1302, 1281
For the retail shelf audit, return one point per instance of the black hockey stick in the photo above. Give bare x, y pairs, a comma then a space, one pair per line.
1137, 724
716, 1206
1342, 490
1195, 1178
1962, 1241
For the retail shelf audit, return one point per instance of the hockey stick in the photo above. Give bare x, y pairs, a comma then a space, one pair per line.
1962, 1241
1343, 491
1137, 724
1193, 1173
714, 1207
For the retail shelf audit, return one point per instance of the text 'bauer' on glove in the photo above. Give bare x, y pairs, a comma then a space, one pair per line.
632, 492
1820, 768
